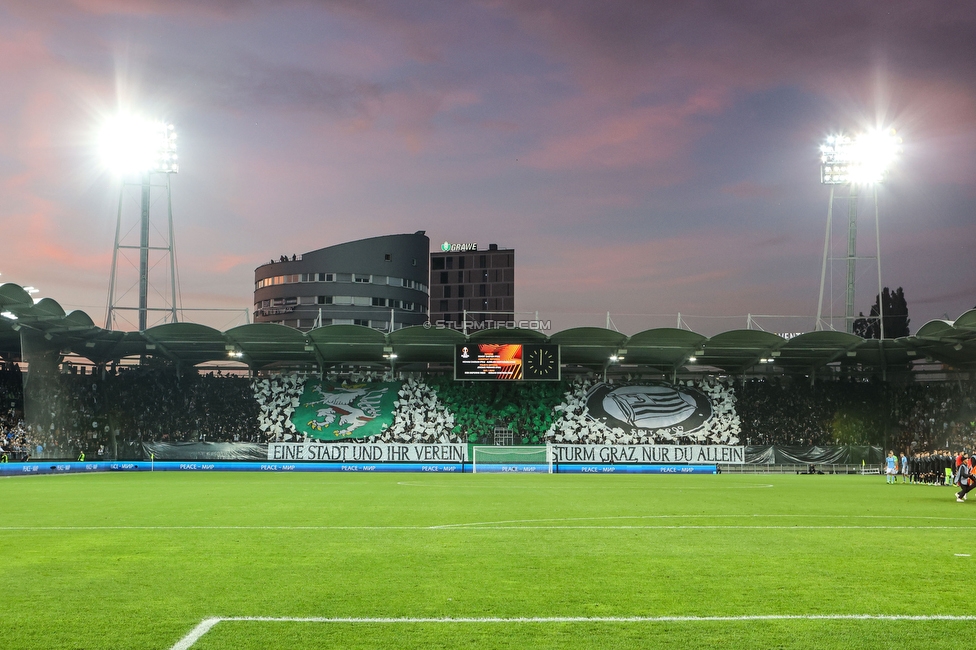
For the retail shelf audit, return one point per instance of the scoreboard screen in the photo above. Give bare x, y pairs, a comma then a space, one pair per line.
507, 362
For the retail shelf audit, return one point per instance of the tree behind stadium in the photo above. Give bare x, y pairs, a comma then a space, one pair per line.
895, 317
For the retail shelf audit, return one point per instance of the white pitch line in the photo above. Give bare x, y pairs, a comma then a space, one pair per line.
196, 633
703, 527
643, 487
712, 517
499, 524
42, 528
205, 626
523, 524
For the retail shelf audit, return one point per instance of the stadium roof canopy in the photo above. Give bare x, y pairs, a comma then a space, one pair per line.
44, 326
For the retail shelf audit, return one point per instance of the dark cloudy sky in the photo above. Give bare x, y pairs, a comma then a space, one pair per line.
642, 157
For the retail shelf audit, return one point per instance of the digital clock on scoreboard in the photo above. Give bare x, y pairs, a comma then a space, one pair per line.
507, 362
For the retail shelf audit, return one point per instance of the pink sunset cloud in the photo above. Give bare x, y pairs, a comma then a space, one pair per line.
661, 155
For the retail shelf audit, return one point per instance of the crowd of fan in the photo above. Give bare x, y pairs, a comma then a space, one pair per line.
14, 437
936, 415
795, 413
97, 413
914, 417
100, 412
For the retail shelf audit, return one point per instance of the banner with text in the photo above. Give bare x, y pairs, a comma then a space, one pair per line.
724, 454
379, 452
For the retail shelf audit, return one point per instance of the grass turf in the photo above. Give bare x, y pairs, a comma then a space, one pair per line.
137, 560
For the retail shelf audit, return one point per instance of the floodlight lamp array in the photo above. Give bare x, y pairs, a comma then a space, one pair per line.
132, 145
836, 160
166, 162
865, 159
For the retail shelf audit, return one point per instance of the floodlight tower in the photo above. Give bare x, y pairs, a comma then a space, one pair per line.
853, 162
139, 150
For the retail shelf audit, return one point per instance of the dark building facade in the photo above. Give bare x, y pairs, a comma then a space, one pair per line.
473, 285
372, 282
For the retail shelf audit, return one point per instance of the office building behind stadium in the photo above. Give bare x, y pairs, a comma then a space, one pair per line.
467, 284
379, 282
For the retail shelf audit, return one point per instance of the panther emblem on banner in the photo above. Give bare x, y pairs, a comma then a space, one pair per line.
338, 412
649, 407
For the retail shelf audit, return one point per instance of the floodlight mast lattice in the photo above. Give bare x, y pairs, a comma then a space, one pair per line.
137, 150
851, 162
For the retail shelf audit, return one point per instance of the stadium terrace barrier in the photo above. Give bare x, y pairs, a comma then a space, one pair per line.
31, 469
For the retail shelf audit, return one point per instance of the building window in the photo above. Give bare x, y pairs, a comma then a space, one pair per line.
379, 302
443, 277
437, 264
360, 321
461, 262
482, 291
450, 262
461, 291
362, 279
324, 300
483, 261
460, 305
447, 292
443, 305
387, 257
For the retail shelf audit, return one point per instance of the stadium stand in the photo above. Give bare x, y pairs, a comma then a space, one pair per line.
130, 388
105, 415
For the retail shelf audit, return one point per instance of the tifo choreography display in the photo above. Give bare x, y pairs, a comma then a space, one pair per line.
589, 413
155, 412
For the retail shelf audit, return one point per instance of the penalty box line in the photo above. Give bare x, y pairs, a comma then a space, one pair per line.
208, 623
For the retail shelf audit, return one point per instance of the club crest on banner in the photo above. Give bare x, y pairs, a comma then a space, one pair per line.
649, 407
345, 411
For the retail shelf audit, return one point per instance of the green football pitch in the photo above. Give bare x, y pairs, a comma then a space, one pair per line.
248, 560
